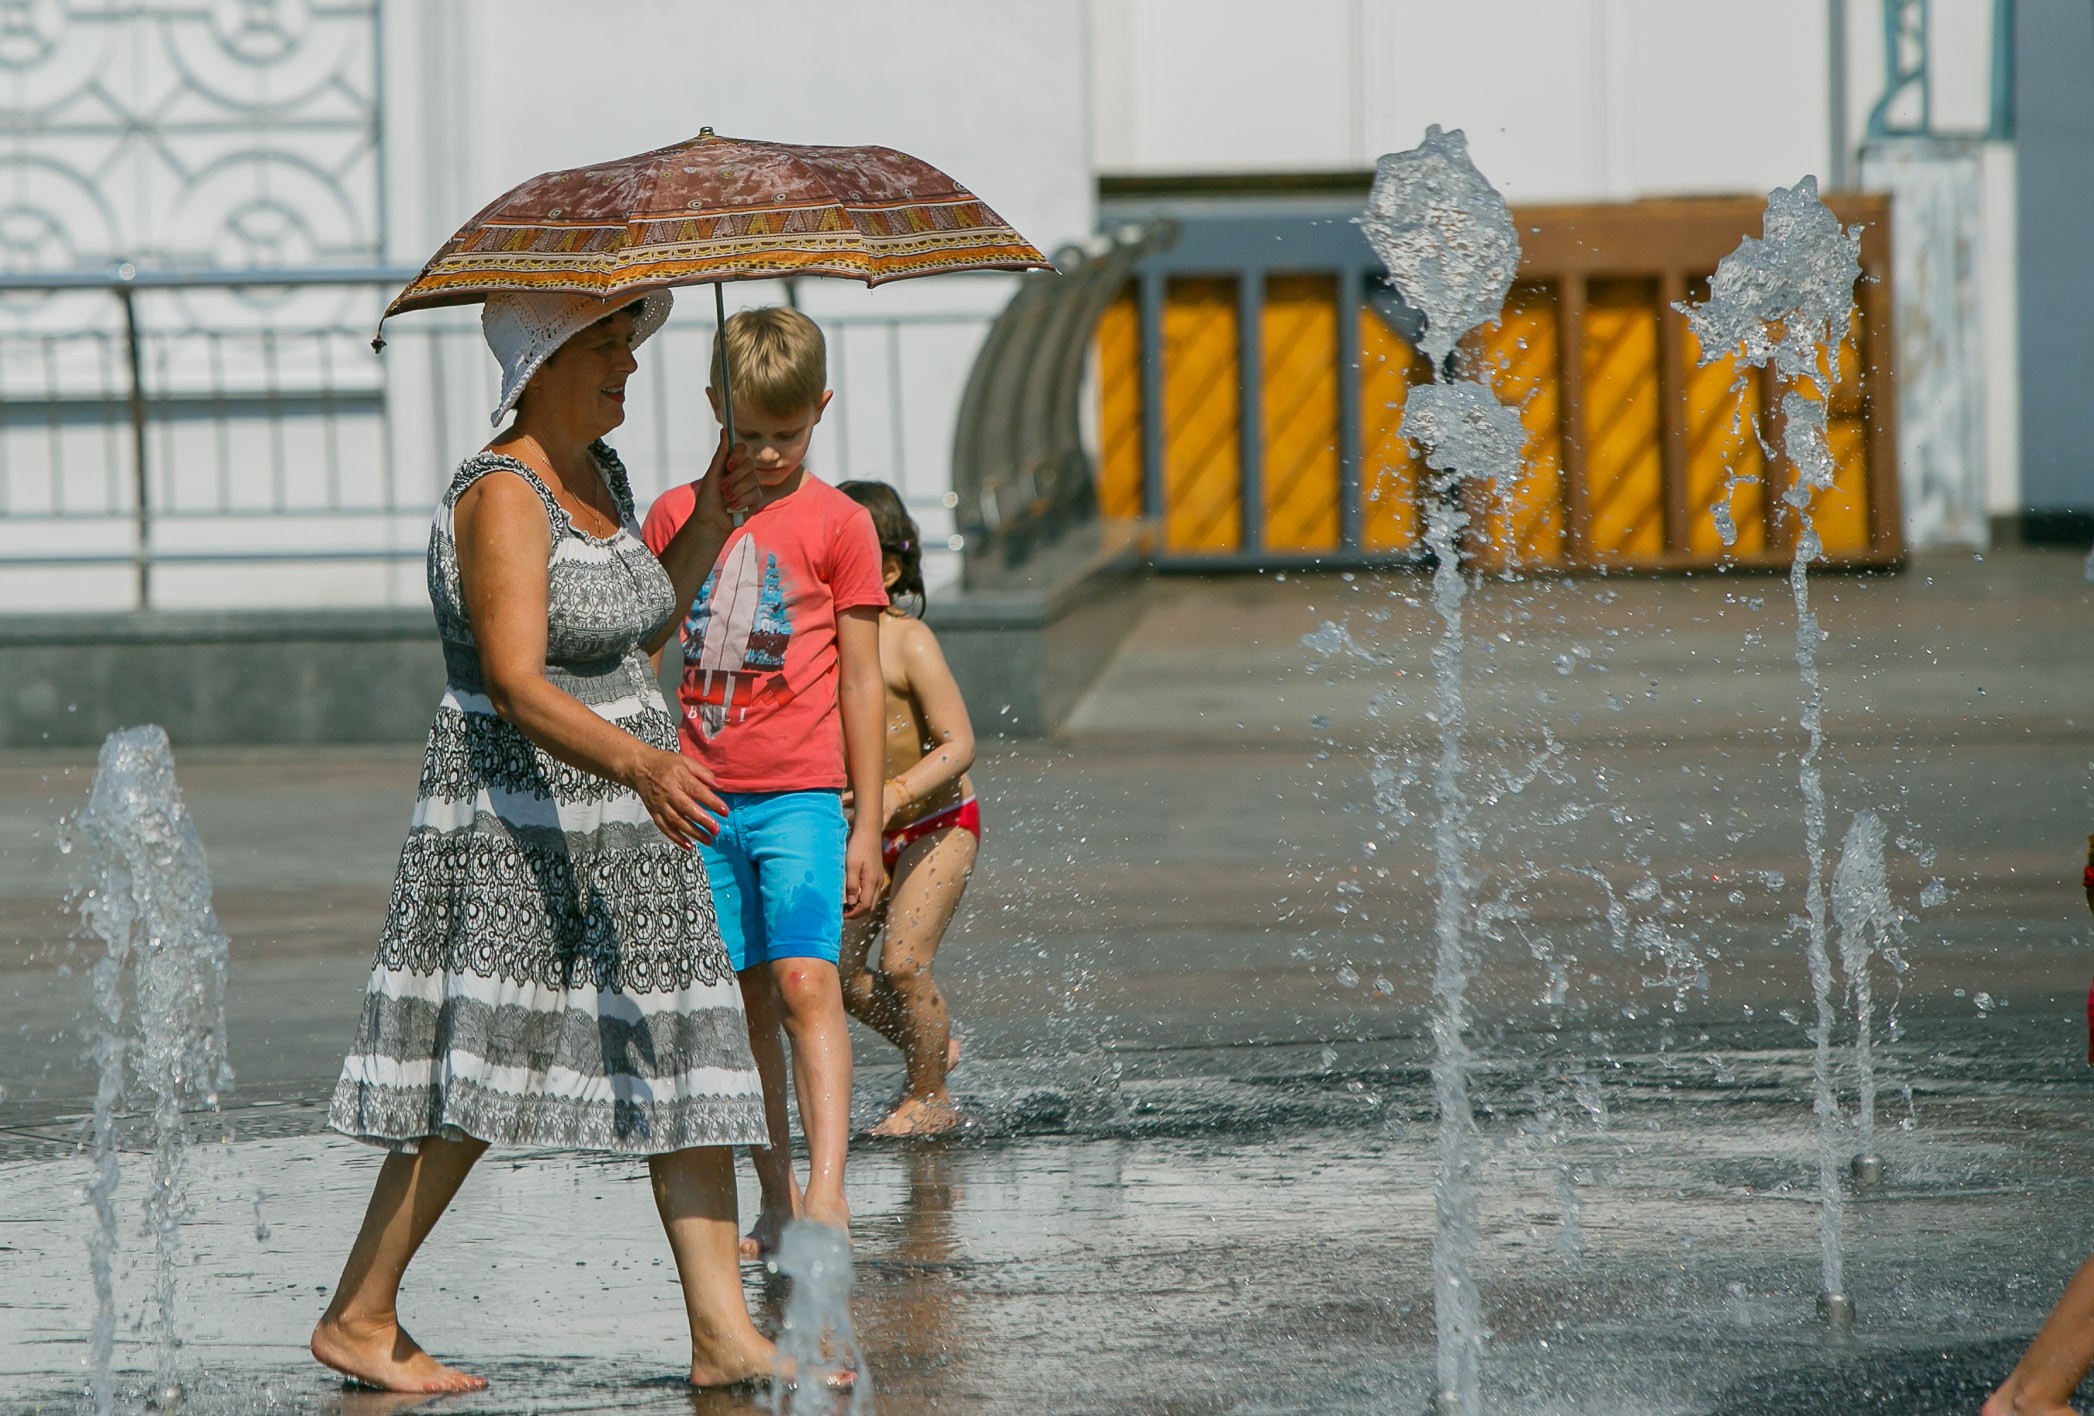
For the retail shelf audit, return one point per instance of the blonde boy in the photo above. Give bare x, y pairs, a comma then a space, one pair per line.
782, 699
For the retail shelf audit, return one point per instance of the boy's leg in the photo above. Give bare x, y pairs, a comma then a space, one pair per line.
811, 1002
779, 1203
360, 1334
796, 847
931, 877
738, 907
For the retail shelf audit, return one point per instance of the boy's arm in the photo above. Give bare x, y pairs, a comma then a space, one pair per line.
862, 700
689, 555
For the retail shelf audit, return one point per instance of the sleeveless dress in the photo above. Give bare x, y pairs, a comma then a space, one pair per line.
550, 972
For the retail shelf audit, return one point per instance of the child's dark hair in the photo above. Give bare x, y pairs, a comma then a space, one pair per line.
897, 532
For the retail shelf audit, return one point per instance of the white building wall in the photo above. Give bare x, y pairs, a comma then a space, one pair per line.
1568, 100
1029, 101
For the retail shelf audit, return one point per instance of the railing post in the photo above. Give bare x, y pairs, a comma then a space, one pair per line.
142, 555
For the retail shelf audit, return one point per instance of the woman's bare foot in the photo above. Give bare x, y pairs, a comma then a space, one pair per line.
380, 1354
774, 1374
919, 1116
831, 1212
762, 1239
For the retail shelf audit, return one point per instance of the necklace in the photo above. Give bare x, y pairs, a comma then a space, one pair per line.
579, 502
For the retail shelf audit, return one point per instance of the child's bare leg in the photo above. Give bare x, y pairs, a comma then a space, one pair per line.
811, 1003
931, 877
2050, 1371
694, 1194
863, 996
780, 1200
360, 1334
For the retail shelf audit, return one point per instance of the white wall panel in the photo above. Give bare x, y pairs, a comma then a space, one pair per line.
1236, 85
1516, 77
1726, 98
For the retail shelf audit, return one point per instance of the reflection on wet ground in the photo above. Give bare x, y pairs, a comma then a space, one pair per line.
1189, 973
1249, 1234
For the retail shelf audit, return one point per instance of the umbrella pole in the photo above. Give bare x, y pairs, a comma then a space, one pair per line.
726, 379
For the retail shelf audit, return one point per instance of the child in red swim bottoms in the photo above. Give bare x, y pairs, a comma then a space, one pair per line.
931, 828
966, 815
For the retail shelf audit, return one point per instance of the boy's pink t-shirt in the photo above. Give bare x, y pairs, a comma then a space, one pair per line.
760, 661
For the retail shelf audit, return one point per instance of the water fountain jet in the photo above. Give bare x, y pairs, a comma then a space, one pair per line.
817, 1337
150, 905
1446, 238
1785, 302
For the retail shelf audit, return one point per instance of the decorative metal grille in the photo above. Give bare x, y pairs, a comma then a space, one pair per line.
189, 134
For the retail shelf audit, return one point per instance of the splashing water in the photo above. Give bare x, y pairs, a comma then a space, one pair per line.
1785, 303
1868, 928
1446, 238
817, 1338
150, 905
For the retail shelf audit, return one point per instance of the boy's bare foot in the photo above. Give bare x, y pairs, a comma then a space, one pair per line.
382, 1355
919, 1116
762, 1239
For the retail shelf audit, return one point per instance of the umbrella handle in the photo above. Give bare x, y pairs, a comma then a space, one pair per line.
726, 382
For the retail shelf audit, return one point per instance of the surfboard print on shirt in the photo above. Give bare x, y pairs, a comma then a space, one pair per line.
735, 639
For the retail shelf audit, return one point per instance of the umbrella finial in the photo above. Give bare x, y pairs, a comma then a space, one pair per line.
707, 132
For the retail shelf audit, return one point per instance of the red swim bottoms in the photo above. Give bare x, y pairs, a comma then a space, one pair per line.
966, 816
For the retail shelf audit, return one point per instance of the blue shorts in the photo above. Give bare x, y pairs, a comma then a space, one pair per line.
777, 876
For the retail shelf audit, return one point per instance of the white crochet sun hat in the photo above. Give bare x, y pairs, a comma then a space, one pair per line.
524, 327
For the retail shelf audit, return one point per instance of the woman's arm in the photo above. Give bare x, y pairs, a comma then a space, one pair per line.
504, 542
730, 481
931, 684
862, 699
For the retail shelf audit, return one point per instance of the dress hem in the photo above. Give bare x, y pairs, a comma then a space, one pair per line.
400, 1119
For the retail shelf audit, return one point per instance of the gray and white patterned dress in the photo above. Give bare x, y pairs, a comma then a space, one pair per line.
550, 972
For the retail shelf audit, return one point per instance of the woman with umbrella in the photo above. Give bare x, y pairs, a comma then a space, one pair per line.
550, 973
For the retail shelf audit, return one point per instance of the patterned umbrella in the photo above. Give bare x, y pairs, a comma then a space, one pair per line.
716, 209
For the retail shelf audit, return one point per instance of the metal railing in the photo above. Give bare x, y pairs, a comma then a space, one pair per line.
152, 419
1023, 471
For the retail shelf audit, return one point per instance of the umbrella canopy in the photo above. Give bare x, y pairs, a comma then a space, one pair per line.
716, 209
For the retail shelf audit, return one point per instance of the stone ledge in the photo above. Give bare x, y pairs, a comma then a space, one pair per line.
1024, 644
213, 627
220, 678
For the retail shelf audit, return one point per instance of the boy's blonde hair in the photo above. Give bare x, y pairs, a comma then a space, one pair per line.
780, 361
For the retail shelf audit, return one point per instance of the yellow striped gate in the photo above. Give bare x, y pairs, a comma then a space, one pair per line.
1251, 389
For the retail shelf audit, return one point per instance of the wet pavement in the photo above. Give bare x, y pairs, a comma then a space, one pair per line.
1193, 976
